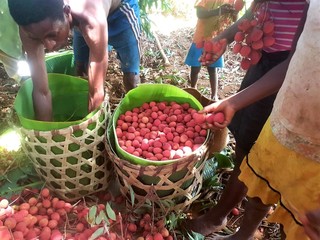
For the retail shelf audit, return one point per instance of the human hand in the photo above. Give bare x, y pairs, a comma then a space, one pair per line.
223, 106
212, 51
95, 100
311, 224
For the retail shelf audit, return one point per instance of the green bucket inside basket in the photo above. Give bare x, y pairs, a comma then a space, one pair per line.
61, 62
147, 93
69, 103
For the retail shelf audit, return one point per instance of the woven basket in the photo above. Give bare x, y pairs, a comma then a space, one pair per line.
71, 160
178, 180
69, 152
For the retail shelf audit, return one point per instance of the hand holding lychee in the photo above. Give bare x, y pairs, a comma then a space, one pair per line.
208, 118
212, 51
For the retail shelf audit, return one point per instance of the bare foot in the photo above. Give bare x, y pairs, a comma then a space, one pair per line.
215, 98
204, 226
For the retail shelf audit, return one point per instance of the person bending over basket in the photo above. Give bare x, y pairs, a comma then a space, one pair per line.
45, 25
283, 167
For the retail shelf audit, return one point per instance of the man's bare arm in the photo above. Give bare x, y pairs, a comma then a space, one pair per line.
96, 36
41, 94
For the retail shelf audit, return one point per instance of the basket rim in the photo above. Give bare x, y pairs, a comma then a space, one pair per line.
143, 161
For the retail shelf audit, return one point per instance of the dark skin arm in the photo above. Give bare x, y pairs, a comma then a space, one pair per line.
94, 30
268, 84
233, 29
41, 94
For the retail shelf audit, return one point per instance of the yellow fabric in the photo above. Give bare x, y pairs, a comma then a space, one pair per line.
210, 27
281, 176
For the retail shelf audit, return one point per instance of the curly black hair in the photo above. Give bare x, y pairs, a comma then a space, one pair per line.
26, 12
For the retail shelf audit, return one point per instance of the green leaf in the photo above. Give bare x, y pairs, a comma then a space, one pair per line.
211, 182
92, 214
111, 214
172, 221
97, 233
18, 179
101, 217
167, 203
223, 161
195, 236
209, 169
132, 196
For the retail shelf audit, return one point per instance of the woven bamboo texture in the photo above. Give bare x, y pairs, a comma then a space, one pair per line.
72, 161
179, 182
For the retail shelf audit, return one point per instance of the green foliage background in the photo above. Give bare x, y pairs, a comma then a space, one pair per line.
179, 8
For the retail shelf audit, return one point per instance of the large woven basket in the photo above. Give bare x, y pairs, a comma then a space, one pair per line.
69, 154
178, 181
71, 160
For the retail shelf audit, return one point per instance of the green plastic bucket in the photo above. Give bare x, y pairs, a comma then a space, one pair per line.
69, 103
135, 98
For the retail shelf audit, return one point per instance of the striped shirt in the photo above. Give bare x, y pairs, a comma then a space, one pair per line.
286, 16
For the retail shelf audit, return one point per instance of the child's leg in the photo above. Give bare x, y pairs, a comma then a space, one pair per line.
213, 77
194, 76
233, 194
254, 213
